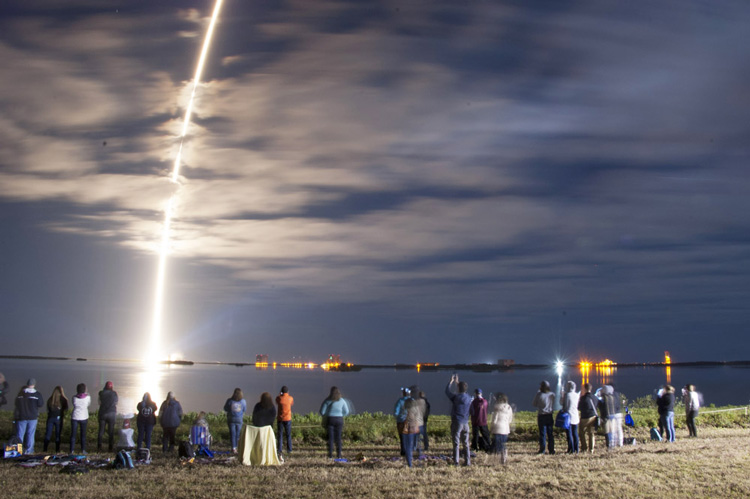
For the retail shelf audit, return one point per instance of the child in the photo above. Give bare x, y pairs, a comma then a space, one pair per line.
125, 437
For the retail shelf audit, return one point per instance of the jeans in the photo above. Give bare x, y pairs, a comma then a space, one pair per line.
410, 440
460, 435
53, 424
144, 432
588, 433
498, 443
74, 425
477, 442
335, 426
234, 434
667, 422
400, 430
571, 434
425, 440
546, 424
25, 431
692, 430
106, 423
167, 439
283, 427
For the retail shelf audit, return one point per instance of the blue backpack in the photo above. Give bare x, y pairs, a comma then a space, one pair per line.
123, 461
655, 435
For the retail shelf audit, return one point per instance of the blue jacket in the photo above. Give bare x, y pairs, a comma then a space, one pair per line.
235, 410
170, 414
400, 410
461, 405
334, 408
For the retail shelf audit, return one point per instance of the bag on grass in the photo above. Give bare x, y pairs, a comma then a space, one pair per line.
143, 455
629, 419
13, 448
186, 449
123, 461
562, 420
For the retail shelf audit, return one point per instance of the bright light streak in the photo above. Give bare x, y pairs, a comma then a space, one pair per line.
154, 352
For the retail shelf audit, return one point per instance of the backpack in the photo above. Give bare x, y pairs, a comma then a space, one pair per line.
562, 420
186, 450
655, 435
143, 455
123, 460
13, 448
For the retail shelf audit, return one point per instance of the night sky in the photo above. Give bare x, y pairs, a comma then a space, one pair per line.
450, 181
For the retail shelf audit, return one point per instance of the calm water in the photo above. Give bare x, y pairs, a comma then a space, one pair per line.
207, 387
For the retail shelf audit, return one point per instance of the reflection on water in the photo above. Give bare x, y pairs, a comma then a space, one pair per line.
669, 375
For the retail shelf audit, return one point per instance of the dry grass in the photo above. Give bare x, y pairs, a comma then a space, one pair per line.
714, 465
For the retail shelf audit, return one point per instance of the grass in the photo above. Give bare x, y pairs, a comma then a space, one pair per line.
715, 464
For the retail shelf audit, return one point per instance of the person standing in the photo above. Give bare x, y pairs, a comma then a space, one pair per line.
692, 402
570, 405
609, 408
665, 405
170, 417
410, 429
425, 417
79, 417
284, 401
264, 413
107, 414
399, 411
57, 406
3, 390
146, 420
334, 409
460, 406
502, 416
544, 401
587, 427
235, 407
27, 405
478, 412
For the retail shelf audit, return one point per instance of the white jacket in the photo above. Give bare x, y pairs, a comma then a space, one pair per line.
502, 416
81, 408
570, 405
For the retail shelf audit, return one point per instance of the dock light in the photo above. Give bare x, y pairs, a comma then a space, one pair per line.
559, 367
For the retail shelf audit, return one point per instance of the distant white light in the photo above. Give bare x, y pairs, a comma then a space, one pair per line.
559, 367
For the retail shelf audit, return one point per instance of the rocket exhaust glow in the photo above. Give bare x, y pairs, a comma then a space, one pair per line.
154, 352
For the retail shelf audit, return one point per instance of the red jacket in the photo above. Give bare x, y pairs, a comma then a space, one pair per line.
285, 403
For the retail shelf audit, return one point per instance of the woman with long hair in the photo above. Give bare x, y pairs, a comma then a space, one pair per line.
235, 408
57, 406
502, 417
79, 418
146, 420
264, 412
334, 409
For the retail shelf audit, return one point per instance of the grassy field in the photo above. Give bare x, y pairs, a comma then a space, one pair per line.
717, 464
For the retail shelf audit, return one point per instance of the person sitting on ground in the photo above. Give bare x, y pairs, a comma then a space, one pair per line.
125, 436
461, 403
170, 417
264, 412
502, 416
200, 422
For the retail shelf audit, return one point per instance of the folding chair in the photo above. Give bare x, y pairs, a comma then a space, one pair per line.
200, 437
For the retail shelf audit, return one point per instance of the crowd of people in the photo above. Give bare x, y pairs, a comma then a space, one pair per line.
580, 415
